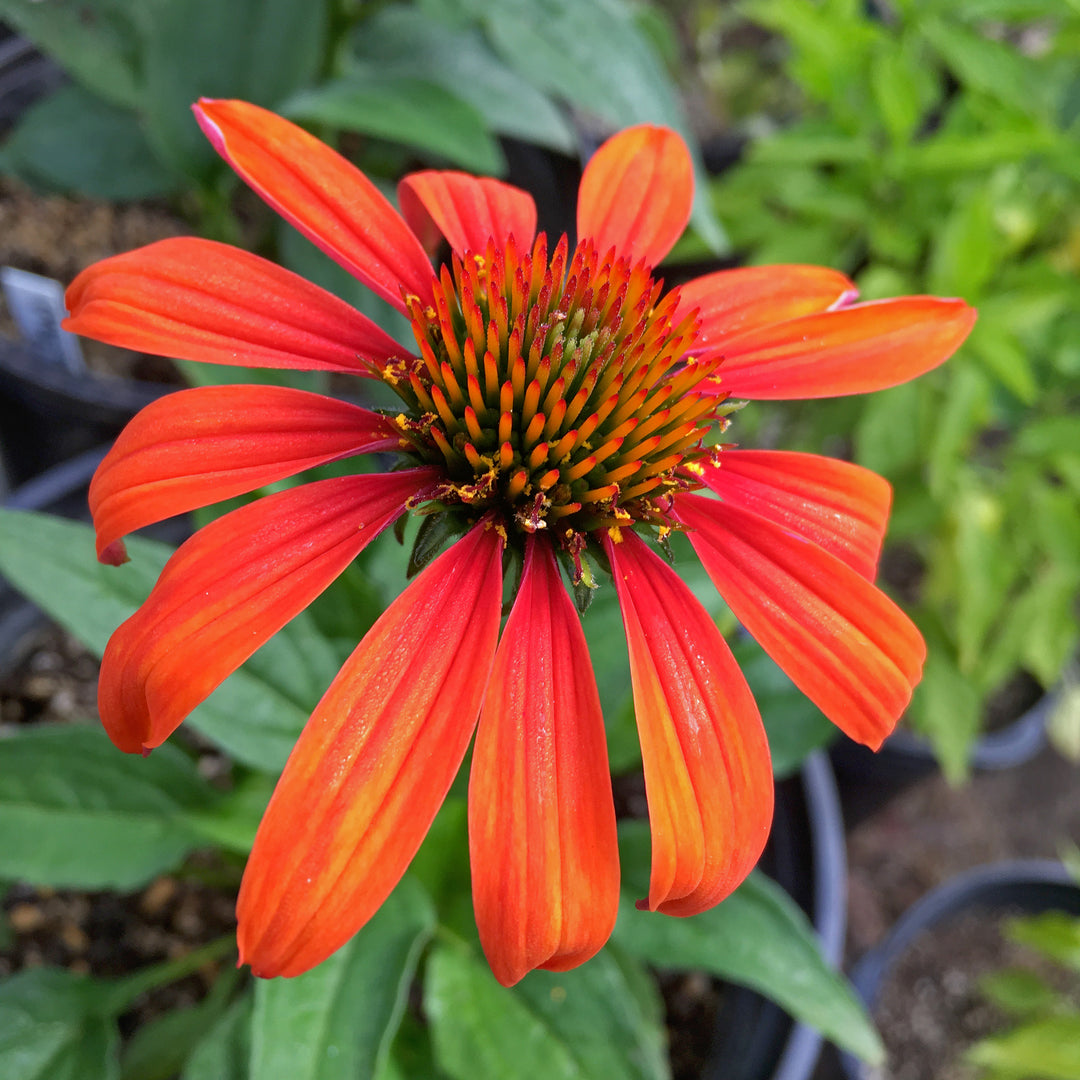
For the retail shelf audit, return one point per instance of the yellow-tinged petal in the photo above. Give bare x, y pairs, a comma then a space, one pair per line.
841, 641
542, 844
708, 777
326, 197
373, 764
636, 193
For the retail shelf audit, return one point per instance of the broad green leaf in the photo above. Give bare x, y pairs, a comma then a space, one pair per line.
52, 561
223, 1054
757, 937
404, 109
76, 143
480, 1028
95, 41
593, 54
607, 1013
1048, 1048
258, 50
51, 1028
75, 812
403, 41
442, 866
199, 374
232, 821
336, 1022
301, 256
795, 726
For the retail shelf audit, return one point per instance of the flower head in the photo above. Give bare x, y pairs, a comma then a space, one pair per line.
560, 413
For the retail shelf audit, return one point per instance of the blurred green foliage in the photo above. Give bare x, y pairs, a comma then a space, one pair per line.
935, 148
436, 81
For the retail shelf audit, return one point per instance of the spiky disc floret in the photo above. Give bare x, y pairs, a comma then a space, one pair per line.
556, 396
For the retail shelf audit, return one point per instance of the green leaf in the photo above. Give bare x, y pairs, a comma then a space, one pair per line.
966, 247
1019, 991
51, 1029
403, 41
336, 1022
794, 726
607, 1013
1048, 1048
991, 67
159, 1049
74, 142
78, 813
224, 1053
233, 820
95, 41
1055, 934
593, 54
480, 1028
886, 436
258, 50
412, 111
757, 937
52, 561
898, 83
946, 708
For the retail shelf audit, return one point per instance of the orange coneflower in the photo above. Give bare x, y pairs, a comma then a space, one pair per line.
558, 409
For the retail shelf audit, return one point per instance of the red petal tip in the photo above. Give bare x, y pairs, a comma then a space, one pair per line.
114, 554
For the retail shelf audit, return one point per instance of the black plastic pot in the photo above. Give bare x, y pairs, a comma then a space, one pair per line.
868, 780
756, 1039
25, 76
1028, 885
49, 414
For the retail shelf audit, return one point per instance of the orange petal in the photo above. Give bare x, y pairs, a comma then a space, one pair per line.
842, 642
852, 350
200, 300
329, 200
542, 843
201, 446
735, 301
373, 764
229, 588
636, 193
842, 507
466, 211
708, 778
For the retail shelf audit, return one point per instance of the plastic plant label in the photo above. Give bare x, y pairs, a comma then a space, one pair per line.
37, 306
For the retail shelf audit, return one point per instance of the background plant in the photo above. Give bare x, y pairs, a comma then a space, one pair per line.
1041, 1037
933, 147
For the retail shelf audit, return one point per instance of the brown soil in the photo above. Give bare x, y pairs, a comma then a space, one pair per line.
58, 236
931, 832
